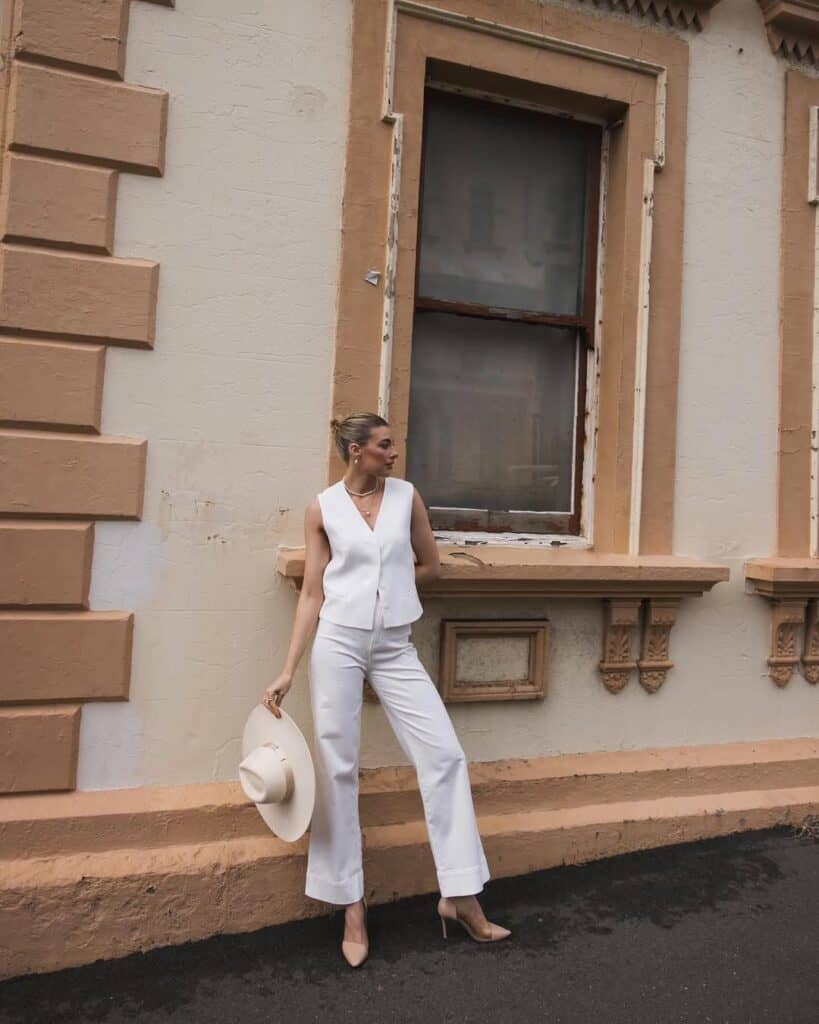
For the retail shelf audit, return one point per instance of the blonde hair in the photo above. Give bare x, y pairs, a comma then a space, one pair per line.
356, 427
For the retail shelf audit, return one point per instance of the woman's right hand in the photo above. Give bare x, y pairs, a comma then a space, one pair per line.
275, 693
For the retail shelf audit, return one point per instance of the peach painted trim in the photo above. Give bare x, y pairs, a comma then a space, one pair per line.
796, 532
61, 474
39, 289
65, 656
67, 128
152, 816
186, 862
45, 564
50, 112
93, 36
513, 571
503, 42
51, 385
38, 748
58, 203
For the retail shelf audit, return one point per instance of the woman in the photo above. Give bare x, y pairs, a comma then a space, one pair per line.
360, 584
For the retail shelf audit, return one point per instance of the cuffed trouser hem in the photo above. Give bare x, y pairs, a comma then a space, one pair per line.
350, 890
464, 882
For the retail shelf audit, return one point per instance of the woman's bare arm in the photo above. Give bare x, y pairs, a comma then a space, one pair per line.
317, 555
423, 542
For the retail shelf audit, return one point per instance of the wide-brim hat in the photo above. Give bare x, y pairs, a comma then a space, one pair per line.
277, 772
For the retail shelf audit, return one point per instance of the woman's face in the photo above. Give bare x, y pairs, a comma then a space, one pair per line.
378, 455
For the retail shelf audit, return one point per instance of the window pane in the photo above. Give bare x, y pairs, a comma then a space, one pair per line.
492, 413
504, 207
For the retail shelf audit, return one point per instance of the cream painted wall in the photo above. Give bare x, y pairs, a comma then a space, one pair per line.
234, 403
234, 398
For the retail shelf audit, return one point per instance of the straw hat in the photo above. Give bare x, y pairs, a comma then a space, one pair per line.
277, 772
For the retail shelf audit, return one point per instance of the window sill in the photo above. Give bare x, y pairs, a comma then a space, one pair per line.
783, 578
506, 571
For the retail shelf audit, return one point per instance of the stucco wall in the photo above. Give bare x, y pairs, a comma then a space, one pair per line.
234, 402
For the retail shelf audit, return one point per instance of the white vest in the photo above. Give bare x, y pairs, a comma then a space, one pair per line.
366, 562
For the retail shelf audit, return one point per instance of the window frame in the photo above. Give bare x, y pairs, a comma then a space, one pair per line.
635, 83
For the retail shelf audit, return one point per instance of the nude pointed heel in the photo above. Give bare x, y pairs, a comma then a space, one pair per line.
355, 953
448, 912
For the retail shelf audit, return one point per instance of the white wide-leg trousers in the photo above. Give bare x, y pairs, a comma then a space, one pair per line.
340, 658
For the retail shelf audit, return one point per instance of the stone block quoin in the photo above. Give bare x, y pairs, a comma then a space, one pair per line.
70, 126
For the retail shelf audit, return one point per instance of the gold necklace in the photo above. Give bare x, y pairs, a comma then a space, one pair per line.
362, 494
366, 511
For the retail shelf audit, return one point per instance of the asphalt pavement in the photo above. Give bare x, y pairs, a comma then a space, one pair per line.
724, 931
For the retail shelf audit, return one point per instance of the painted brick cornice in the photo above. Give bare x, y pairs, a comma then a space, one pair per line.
686, 14
793, 27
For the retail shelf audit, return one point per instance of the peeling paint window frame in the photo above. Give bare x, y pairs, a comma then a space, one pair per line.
529, 526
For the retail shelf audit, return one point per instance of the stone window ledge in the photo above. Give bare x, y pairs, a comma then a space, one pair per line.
792, 587
783, 578
640, 594
495, 571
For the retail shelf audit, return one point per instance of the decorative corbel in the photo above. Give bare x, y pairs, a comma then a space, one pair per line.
787, 622
792, 586
810, 652
660, 614
621, 618
676, 13
793, 28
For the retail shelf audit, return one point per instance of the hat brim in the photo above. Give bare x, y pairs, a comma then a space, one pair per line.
288, 820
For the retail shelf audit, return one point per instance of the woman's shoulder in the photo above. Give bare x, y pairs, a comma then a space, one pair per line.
399, 484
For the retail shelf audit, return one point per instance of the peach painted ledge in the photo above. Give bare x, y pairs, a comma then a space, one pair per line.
783, 577
185, 862
496, 571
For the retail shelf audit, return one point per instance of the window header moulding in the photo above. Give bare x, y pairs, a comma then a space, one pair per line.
793, 28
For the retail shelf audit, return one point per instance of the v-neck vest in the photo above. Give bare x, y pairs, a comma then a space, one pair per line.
368, 563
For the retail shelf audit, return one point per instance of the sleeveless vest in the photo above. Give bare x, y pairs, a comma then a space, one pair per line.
368, 562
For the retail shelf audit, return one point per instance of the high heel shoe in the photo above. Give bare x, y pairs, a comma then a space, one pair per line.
355, 953
448, 912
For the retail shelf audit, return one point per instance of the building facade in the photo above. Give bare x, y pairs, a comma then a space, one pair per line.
568, 248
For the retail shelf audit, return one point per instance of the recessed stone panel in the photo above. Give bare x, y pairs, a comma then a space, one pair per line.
493, 659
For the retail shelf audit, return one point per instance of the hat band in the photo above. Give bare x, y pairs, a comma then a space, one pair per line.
289, 783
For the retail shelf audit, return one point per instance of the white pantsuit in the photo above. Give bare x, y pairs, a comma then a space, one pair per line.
342, 655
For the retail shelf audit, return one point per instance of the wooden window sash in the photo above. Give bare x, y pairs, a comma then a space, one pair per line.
495, 521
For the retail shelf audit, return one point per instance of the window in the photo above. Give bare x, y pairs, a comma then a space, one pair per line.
504, 315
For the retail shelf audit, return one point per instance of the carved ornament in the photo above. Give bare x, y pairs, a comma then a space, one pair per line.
793, 28
810, 651
792, 587
659, 616
620, 622
686, 14
787, 621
